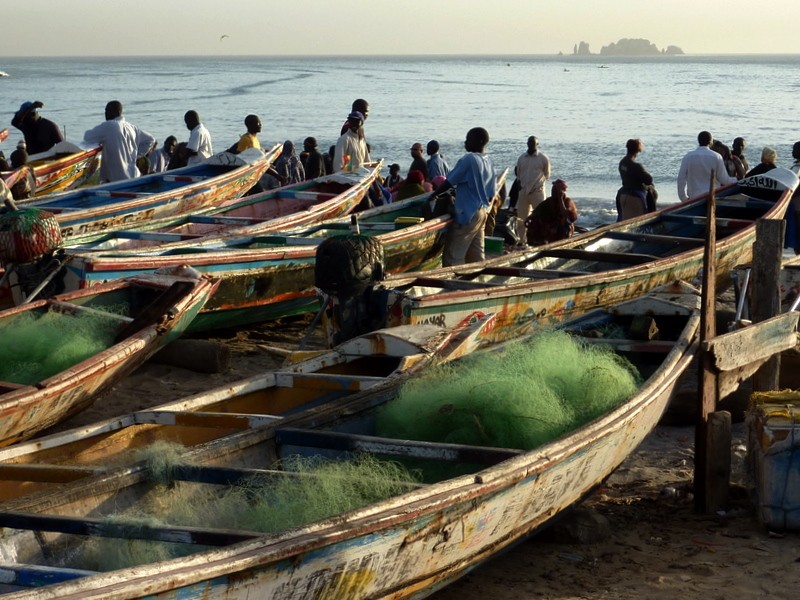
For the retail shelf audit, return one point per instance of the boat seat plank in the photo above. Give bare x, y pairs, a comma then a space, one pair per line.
306, 195
532, 273
223, 220
104, 528
653, 238
378, 445
114, 194
624, 345
215, 420
627, 258
701, 220
453, 284
327, 381
155, 236
233, 476
45, 473
74, 309
36, 576
184, 178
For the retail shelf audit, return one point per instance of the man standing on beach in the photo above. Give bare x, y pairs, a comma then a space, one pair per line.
122, 143
533, 171
476, 186
696, 167
40, 134
351, 148
199, 144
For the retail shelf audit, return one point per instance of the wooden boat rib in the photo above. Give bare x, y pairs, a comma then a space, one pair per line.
88, 213
404, 547
286, 208
63, 167
598, 268
270, 276
155, 310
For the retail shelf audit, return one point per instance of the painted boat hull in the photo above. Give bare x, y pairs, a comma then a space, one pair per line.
405, 547
27, 409
63, 167
521, 304
87, 213
276, 278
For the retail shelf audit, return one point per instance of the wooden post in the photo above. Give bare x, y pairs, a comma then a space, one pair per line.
766, 302
718, 463
708, 383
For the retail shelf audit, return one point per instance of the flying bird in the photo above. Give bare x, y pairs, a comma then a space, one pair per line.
223, 36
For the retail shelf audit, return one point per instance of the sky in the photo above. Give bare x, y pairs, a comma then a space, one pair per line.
350, 27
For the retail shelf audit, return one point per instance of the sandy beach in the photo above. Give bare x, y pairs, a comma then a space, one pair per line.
637, 536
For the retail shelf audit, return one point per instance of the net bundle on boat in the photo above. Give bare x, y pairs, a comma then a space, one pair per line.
520, 397
308, 491
38, 345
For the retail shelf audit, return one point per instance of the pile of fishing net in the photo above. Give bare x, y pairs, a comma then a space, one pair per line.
313, 489
39, 345
522, 396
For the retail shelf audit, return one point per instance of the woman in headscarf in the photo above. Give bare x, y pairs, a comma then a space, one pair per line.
411, 186
554, 219
288, 165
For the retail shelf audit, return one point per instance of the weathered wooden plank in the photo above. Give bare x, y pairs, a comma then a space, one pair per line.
454, 284
625, 258
164, 302
34, 576
531, 273
654, 238
718, 462
624, 345
755, 342
767, 255
327, 381
377, 445
102, 528
204, 419
45, 473
233, 476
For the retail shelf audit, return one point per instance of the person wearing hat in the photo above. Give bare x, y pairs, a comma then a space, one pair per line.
476, 186
359, 105
122, 141
40, 134
418, 161
554, 219
351, 148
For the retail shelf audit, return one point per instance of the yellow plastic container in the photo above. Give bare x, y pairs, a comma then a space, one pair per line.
401, 222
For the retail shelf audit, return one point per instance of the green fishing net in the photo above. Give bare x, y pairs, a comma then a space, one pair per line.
521, 397
312, 490
38, 345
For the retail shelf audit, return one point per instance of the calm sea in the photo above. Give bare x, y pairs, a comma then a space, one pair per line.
583, 109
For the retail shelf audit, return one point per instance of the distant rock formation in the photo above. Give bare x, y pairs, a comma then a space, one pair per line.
627, 47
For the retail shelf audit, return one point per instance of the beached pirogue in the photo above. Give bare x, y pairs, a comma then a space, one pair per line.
86, 213
63, 167
270, 275
58, 355
286, 208
418, 482
606, 265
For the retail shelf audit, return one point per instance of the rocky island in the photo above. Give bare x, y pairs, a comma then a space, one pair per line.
627, 47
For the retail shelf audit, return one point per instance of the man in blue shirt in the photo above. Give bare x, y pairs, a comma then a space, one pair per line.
436, 164
474, 180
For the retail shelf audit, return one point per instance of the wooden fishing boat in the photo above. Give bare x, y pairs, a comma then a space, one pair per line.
61, 353
405, 546
264, 277
87, 213
603, 266
63, 167
286, 208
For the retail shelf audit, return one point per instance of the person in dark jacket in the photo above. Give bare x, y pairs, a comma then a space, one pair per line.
40, 134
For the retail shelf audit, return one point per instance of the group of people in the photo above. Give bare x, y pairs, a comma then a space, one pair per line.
129, 151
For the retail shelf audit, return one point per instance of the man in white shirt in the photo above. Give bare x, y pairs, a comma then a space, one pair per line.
351, 149
533, 171
160, 157
122, 143
694, 175
199, 144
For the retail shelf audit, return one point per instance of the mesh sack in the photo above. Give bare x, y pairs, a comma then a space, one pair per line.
27, 234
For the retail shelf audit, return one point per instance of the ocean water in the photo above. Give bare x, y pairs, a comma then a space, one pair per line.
583, 109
